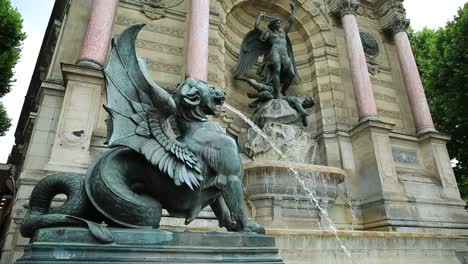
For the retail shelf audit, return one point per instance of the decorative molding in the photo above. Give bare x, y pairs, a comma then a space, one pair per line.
367, 12
386, 84
164, 67
391, 6
339, 8
389, 113
157, 28
160, 47
213, 77
385, 98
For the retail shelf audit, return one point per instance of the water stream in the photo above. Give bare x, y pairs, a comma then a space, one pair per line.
310, 192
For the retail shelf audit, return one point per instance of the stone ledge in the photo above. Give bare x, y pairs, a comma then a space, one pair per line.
339, 233
292, 165
305, 232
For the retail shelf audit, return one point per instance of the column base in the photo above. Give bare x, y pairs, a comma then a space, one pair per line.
424, 130
89, 63
368, 118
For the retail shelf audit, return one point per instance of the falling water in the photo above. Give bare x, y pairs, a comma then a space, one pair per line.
350, 203
308, 190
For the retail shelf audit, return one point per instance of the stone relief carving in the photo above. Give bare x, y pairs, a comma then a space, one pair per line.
371, 51
405, 156
156, 9
366, 12
392, 6
393, 17
369, 43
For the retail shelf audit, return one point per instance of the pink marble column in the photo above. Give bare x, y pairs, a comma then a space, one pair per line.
98, 33
197, 48
367, 109
414, 88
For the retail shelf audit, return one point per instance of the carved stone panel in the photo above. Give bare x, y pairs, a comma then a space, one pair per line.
405, 156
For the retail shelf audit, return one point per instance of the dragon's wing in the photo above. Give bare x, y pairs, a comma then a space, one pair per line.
139, 110
252, 47
297, 79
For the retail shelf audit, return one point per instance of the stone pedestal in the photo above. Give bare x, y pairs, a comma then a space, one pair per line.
403, 183
78, 119
276, 111
76, 245
294, 144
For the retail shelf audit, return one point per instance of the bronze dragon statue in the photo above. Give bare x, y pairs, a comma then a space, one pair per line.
164, 154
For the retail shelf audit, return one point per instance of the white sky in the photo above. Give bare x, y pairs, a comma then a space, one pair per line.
430, 13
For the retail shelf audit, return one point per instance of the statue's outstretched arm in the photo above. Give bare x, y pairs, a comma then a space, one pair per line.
291, 19
259, 20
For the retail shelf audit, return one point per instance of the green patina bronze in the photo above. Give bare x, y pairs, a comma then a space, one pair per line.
164, 154
278, 68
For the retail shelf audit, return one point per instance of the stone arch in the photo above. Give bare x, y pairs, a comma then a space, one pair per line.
310, 36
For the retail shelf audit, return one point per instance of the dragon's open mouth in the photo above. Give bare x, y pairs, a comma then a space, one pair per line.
219, 101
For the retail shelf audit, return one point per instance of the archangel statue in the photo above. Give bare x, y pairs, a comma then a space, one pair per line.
278, 68
148, 166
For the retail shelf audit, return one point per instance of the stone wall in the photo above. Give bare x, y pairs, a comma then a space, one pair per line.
317, 247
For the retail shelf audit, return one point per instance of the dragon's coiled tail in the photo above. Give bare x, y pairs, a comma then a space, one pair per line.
76, 206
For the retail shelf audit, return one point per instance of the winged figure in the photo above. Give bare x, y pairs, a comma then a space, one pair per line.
278, 68
164, 154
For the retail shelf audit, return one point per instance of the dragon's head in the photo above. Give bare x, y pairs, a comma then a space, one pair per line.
196, 99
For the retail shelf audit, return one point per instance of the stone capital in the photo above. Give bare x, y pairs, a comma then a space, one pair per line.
340, 8
395, 24
393, 17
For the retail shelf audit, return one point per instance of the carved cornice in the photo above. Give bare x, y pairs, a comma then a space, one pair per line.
393, 17
339, 8
365, 11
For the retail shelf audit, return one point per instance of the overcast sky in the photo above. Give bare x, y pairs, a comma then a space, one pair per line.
35, 13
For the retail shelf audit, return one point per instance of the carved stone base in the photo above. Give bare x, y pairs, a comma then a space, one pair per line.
286, 195
76, 245
294, 143
276, 111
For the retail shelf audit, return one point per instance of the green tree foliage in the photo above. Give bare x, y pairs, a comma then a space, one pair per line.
11, 37
5, 122
442, 58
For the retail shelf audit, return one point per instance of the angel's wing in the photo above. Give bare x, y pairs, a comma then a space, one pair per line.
297, 79
139, 109
252, 47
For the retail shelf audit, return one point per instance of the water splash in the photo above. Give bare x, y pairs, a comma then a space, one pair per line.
310, 192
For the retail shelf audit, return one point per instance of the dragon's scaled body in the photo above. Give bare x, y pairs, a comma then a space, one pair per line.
149, 167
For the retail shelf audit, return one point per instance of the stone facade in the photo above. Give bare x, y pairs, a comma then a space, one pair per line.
399, 174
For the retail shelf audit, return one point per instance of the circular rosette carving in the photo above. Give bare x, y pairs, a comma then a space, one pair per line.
369, 43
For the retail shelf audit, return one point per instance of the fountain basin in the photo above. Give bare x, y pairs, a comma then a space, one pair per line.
287, 195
